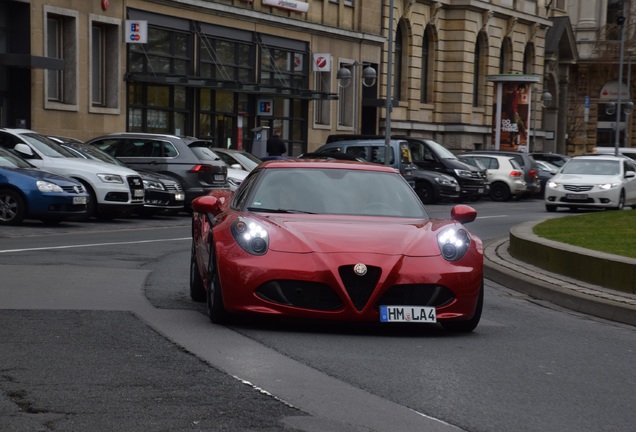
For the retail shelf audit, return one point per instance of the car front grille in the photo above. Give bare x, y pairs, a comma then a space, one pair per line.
79, 189
416, 295
173, 187
577, 188
135, 183
301, 294
359, 287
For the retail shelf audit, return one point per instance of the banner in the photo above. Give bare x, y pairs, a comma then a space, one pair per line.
515, 116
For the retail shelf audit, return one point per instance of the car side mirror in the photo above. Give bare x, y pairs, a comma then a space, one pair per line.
463, 214
630, 174
236, 166
24, 150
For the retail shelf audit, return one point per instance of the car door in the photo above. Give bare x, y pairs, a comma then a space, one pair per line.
630, 182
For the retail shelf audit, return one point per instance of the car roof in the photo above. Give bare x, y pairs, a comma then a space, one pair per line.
326, 163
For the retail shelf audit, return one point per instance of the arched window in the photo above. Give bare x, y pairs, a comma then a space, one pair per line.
528, 60
505, 57
397, 65
479, 70
428, 57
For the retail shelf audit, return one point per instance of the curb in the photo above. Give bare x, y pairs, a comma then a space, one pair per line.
569, 293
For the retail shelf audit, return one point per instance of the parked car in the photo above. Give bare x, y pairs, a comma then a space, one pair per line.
554, 158
527, 164
430, 186
163, 194
235, 173
504, 174
283, 246
546, 172
113, 190
629, 152
29, 193
593, 182
431, 156
237, 158
166, 154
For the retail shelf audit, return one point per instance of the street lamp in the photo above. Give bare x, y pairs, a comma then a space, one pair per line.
546, 100
389, 85
621, 22
344, 77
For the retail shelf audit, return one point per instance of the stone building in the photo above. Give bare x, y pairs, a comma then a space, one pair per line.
233, 70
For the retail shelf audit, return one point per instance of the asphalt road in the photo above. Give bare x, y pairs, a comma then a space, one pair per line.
82, 348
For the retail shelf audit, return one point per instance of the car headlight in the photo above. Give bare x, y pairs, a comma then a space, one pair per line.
446, 181
251, 236
151, 184
462, 172
608, 186
453, 243
110, 178
552, 184
45, 186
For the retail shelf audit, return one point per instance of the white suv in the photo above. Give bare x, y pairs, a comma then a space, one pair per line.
113, 189
504, 173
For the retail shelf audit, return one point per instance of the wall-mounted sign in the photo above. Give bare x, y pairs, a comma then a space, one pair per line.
322, 62
136, 31
293, 5
264, 107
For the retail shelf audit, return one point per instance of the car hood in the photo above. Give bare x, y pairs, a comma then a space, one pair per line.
76, 166
457, 164
327, 234
41, 175
586, 179
237, 174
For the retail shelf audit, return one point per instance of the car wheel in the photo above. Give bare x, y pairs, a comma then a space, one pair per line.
468, 325
621, 202
197, 290
426, 193
12, 207
216, 308
551, 208
499, 192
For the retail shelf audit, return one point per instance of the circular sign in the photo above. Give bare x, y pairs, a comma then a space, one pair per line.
321, 62
105, 4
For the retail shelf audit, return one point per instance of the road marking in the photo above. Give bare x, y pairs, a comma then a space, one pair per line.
491, 217
92, 245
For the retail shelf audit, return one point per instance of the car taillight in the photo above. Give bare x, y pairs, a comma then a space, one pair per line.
200, 168
534, 174
515, 173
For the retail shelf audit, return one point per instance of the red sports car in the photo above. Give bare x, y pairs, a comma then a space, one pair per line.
334, 240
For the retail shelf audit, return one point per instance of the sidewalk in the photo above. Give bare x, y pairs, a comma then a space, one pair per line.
570, 293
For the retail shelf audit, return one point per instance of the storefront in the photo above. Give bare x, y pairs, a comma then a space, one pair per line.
216, 82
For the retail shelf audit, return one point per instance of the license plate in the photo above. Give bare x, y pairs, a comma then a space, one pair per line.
219, 177
413, 314
576, 196
179, 197
139, 193
79, 200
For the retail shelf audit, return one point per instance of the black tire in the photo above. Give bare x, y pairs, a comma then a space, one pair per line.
216, 308
197, 290
12, 207
426, 193
468, 325
621, 202
551, 208
499, 191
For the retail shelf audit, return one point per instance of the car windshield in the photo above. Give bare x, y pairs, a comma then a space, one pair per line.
46, 146
96, 154
334, 191
8, 159
441, 151
592, 167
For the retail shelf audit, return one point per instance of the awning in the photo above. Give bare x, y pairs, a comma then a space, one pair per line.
27, 61
233, 86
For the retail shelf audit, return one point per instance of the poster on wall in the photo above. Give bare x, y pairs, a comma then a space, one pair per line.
511, 111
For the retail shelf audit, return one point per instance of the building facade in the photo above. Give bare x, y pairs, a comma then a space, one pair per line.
235, 70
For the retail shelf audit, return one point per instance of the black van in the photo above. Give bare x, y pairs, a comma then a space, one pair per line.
432, 156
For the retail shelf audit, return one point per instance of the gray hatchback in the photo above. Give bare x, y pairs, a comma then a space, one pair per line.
167, 154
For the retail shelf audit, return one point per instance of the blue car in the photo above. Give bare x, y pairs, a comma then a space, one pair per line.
27, 192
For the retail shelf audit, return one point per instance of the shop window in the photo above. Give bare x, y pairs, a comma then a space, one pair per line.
104, 65
225, 60
283, 68
166, 53
61, 41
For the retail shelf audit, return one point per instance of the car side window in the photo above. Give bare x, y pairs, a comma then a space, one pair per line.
109, 146
378, 153
358, 151
168, 150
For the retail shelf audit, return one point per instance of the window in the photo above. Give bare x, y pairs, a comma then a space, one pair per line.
505, 57
167, 52
61, 41
614, 11
528, 59
104, 65
226, 60
346, 98
479, 71
428, 56
322, 107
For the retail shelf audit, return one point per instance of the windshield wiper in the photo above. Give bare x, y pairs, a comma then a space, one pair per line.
280, 210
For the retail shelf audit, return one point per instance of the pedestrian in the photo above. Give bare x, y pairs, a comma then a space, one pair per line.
275, 145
